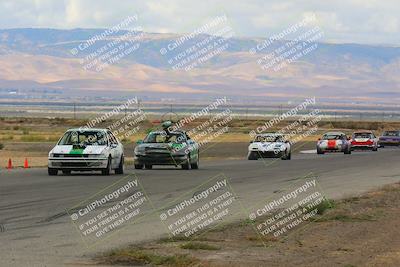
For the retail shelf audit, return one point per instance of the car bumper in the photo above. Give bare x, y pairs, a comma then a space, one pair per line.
269, 154
362, 146
331, 150
78, 164
160, 159
389, 143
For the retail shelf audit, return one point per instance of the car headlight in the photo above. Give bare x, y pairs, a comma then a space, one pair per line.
95, 156
139, 150
51, 155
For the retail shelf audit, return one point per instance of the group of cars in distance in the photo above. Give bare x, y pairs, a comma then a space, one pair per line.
274, 145
99, 150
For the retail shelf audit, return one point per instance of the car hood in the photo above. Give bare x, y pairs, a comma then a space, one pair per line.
71, 150
390, 137
266, 145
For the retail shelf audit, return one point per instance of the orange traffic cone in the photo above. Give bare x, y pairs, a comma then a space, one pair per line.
26, 164
9, 164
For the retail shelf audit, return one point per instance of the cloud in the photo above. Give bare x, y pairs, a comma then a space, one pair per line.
360, 21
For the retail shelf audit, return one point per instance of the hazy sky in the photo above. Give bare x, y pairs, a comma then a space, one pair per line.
358, 21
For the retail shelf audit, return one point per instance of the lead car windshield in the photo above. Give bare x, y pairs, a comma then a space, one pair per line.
84, 138
331, 137
391, 133
165, 138
362, 135
269, 138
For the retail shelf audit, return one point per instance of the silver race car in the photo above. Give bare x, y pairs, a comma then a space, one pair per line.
167, 148
87, 150
270, 145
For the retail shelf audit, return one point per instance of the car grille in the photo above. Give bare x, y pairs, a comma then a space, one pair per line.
79, 164
71, 155
150, 150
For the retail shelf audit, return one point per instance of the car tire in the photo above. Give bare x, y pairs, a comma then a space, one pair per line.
138, 166
148, 166
120, 169
195, 165
286, 156
289, 157
107, 170
320, 152
347, 151
375, 149
252, 156
186, 164
66, 172
52, 172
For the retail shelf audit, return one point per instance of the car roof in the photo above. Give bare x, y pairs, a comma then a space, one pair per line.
87, 130
172, 132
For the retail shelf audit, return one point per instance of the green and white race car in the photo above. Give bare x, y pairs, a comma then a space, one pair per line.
87, 150
167, 148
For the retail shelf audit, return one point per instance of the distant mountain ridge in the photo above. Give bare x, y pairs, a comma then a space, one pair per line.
43, 57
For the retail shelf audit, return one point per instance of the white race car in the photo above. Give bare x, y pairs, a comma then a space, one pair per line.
86, 150
334, 142
270, 145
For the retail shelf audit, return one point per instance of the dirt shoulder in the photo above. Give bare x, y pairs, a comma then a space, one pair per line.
358, 231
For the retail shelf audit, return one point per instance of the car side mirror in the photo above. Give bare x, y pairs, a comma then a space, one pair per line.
251, 142
138, 142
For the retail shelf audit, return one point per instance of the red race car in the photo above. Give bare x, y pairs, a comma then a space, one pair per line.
364, 140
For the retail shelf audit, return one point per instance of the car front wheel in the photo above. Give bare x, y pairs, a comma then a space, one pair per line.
52, 172
195, 165
107, 170
120, 169
138, 166
186, 164
252, 156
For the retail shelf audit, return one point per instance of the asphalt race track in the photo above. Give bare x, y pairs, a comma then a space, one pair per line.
35, 229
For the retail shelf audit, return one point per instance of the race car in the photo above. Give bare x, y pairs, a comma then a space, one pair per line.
269, 145
390, 138
167, 148
334, 142
364, 140
87, 150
